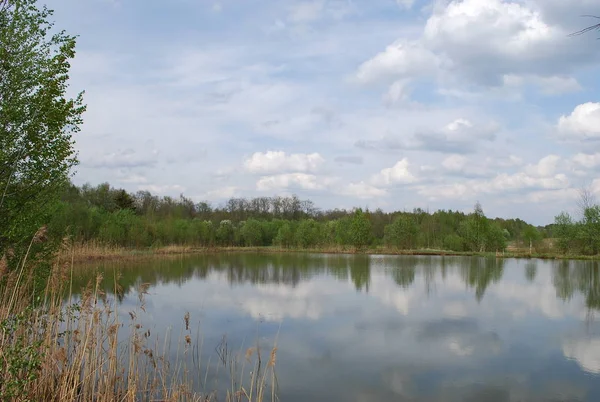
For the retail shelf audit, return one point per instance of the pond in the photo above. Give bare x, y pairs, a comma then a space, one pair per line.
382, 328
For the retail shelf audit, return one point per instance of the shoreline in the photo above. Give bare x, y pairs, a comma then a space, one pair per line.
85, 253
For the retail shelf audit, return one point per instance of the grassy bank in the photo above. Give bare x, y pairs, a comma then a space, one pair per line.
80, 253
88, 350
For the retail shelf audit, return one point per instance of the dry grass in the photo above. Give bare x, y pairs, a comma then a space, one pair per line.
87, 351
89, 252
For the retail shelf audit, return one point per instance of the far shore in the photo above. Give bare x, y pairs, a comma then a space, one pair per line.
83, 253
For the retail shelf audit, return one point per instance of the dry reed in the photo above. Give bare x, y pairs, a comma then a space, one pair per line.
81, 348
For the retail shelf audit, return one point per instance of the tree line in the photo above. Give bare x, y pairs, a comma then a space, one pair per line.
114, 216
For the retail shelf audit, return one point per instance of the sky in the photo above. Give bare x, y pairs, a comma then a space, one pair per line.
392, 104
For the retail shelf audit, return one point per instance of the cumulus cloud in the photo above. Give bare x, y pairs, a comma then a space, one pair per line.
278, 161
541, 176
460, 165
208, 105
589, 161
291, 180
458, 136
398, 174
361, 190
490, 43
582, 124
545, 167
402, 59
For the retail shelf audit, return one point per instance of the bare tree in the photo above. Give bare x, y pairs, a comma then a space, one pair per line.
586, 200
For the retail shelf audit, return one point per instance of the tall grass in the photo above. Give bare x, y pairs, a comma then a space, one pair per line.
82, 348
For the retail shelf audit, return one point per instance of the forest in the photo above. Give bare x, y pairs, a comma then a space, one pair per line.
113, 216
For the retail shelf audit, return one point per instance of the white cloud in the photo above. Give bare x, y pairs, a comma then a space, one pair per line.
446, 191
402, 59
221, 193
397, 174
586, 352
459, 136
162, 189
291, 180
553, 85
455, 163
582, 124
133, 179
546, 166
500, 161
127, 158
399, 93
543, 175
361, 190
278, 161
490, 43
518, 181
588, 161
486, 39
228, 89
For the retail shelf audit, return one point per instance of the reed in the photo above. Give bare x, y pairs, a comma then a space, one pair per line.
82, 348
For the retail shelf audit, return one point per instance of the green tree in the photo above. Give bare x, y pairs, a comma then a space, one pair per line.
475, 229
252, 233
454, 242
360, 229
402, 233
37, 121
531, 236
225, 233
124, 201
285, 236
495, 240
564, 230
308, 233
589, 230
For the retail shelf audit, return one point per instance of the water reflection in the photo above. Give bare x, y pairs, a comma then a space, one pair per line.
380, 328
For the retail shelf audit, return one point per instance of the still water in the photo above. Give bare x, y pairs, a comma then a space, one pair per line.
389, 328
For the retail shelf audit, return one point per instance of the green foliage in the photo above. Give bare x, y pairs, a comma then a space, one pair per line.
402, 233
225, 234
285, 236
252, 233
21, 360
589, 230
360, 229
37, 121
105, 214
308, 234
454, 242
564, 230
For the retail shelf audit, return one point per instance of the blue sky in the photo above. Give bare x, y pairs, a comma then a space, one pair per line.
383, 103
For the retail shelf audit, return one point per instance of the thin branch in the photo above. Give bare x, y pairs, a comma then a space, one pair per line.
588, 29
